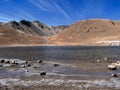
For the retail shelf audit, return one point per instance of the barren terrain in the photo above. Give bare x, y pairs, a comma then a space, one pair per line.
93, 32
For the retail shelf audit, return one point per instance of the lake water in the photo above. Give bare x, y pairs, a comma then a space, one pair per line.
65, 53
72, 69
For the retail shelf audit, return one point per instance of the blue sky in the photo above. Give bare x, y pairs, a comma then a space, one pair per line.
58, 12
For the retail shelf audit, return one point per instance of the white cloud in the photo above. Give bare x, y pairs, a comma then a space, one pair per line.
25, 14
60, 9
37, 4
49, 5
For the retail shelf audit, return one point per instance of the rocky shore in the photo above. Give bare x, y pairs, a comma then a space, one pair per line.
39, 74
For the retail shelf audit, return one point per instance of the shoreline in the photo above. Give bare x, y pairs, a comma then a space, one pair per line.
58, 46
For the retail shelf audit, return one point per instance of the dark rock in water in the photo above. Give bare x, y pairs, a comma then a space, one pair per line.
114, 75
2, 61
17, 63
43, 73
28, 65
7, 62
39, 61
56, 65
34, 67
26, 62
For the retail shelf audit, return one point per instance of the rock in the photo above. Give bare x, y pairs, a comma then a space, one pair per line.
2, 61
98, 61
26, 62
34, 67
7, 62
23, 66
112, 67
26, 71
39, 61
28, 65
56, 65
118, 62
17, 63
43, 73
114, 75
12, 62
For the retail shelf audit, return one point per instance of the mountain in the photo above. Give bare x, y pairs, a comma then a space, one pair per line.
14, 37
34, 28
26, 33
85, 32
89, 32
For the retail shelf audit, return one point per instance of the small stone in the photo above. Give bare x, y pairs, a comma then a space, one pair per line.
43, 73
98, 61
23, 66
26, 62
12, 62
28, 65
17, 63
26, 71
2, 61
39, 61
112, 67
7, 62
56, 65
114, 75
34, 67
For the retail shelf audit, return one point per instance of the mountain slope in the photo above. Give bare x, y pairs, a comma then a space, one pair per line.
88, 32
85, 32
14, 37
35, 28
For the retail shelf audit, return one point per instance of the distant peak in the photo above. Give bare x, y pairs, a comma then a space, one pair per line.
25, 22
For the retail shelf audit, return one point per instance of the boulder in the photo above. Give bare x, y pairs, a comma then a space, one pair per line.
2, 61
114, 75
23, 66
116, 64
56, 65
12, 62
7, 62
29, 65
39, 61
112, 67
43, 73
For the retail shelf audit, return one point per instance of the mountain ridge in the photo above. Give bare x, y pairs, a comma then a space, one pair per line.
85, 32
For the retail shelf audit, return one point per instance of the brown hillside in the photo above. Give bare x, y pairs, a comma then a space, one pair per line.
88, 32
14, 37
